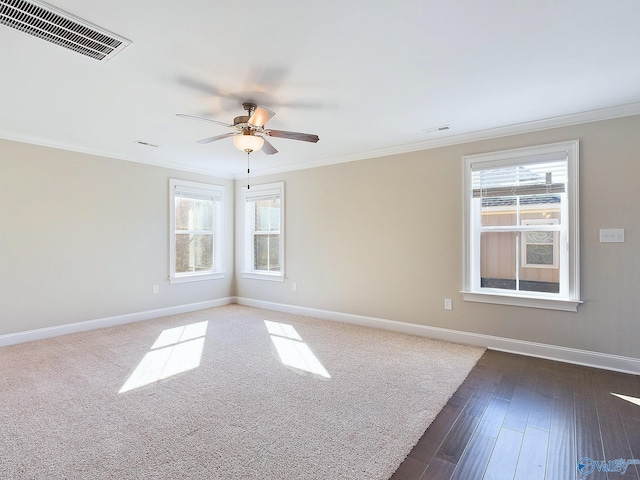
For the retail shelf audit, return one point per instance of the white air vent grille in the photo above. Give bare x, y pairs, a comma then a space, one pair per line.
56, 26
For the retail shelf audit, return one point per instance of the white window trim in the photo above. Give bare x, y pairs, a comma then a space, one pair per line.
471, 291
219, 242
247, 245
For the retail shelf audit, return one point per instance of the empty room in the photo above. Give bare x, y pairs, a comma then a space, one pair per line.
319, 240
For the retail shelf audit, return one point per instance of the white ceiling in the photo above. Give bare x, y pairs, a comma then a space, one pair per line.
367, 77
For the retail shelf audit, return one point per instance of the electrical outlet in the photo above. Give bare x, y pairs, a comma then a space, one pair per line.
294, 287
155, 289
448, 304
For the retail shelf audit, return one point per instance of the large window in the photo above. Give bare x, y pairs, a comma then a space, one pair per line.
521, 242
263, 232
196, 240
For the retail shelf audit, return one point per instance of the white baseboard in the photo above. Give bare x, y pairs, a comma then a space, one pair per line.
532, 349
48, 332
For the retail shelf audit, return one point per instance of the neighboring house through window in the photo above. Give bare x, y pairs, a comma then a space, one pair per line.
197, 231
521, 244
263, 232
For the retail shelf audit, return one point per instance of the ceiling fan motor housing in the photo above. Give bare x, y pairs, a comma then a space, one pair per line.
241, 121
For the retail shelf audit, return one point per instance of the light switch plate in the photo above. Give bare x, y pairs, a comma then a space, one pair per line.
608, 235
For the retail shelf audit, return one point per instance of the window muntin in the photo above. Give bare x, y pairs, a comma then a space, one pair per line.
521, 235
196, 223
263, 242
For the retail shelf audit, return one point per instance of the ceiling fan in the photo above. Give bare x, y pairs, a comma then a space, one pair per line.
250, 131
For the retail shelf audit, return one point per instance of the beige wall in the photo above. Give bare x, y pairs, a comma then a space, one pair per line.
383, 238
84, 237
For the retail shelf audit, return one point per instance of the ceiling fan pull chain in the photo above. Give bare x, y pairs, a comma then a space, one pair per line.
248, 171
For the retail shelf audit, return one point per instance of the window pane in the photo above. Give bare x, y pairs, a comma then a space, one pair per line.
539, 254
539, 237
267, 253
268, 215
194, 213
536, 279
498, 260
499, 211
194, 253
540, 207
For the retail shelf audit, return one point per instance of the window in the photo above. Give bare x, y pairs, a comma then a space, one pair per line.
521, 243
197, 231
263, 234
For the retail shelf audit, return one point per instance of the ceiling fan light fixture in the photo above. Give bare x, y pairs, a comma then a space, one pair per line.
248, 142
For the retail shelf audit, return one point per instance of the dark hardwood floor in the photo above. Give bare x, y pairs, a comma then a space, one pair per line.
518, 417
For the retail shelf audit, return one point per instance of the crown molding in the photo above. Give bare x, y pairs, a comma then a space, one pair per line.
106, 154
609, 113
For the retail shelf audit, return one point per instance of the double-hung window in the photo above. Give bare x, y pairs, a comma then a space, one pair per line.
263, 232
196, 231
521, 244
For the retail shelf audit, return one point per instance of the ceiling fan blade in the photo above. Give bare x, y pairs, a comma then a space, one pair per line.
193, 117
267, 148
305, 137
217, 137
260, 116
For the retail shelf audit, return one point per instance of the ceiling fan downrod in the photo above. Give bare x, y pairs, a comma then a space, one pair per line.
250, 108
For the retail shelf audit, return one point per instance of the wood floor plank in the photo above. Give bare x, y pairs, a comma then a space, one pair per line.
491, 421
453, 446
433, 438
588, 436
456, 440
561, 458
410, 469
430, 442
629, 410
504, 458
541, 404
614, 438
438, 470
532, 461
509, 381
518, 413
475, 457
632, 429
514, 413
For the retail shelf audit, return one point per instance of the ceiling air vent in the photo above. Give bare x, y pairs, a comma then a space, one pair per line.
57, 26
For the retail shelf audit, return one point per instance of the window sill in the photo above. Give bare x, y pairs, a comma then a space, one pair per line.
196, 277
522, 301
273, 277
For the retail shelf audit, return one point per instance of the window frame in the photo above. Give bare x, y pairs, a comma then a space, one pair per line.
248, 233
569, 297
205, 189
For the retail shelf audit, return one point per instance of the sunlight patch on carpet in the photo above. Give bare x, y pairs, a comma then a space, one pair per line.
292, 350
176, 350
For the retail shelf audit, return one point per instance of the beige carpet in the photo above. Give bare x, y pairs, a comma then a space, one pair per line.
225, 393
